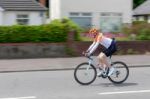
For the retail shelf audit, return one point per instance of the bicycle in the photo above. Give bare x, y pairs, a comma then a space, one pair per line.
86, 73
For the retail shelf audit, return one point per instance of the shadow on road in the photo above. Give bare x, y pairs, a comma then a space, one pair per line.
115, 85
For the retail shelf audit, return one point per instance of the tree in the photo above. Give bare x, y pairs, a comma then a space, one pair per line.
137, 3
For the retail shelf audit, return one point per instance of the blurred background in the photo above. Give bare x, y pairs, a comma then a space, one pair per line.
25, 24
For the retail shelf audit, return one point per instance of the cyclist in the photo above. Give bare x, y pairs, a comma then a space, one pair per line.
109, 45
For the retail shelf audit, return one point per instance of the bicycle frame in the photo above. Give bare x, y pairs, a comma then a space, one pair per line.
91, 61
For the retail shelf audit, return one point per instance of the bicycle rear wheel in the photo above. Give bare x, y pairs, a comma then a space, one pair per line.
120, 74
85, 74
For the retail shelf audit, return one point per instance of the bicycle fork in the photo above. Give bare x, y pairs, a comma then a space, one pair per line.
88, 67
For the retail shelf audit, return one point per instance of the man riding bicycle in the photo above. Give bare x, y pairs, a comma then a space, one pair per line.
109, 45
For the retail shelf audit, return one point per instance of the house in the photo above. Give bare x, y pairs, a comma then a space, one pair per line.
24, 12
142, 12
109, 15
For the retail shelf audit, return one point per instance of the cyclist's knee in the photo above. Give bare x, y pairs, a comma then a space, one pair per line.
101, 56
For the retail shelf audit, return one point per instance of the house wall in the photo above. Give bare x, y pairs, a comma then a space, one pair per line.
64, 7
54, 9
35, 18
1, 16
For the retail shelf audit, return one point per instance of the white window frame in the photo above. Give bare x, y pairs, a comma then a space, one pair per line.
22, 17
80, 14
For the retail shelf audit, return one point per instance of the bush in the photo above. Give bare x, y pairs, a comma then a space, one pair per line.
56, 31
141, 30
144, 34
68, 26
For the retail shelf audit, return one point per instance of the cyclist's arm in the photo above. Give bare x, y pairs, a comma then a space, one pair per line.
95, 44
93, 48
90, 47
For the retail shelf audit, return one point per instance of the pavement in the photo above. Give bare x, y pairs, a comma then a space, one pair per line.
47, 64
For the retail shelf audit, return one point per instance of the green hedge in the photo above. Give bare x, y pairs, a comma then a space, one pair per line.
144, 34
56, 31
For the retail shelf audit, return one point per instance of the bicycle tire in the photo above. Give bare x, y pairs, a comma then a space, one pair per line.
79, 68
126, 75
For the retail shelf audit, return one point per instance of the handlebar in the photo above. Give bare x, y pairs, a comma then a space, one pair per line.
89, 57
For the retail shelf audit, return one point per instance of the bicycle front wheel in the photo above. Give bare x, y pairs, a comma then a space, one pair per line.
120, 74
85, 74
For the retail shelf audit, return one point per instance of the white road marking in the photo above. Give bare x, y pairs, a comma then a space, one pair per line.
30, 97
124, 92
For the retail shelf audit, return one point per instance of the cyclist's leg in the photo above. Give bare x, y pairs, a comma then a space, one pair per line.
103, 59
104, 63
105, 55
109, 52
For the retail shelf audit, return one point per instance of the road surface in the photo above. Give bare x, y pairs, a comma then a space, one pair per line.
61, 85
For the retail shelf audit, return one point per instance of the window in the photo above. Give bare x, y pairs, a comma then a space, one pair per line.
105, 14
83, 19
84, 22
86, 14
110, 22
22, 19
110, 14
74, 14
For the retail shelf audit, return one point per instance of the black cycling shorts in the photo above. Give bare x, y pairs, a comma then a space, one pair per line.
112, 49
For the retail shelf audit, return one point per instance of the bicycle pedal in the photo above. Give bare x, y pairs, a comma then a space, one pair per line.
104, 76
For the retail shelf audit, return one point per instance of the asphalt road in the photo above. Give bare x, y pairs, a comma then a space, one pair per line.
61, 85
